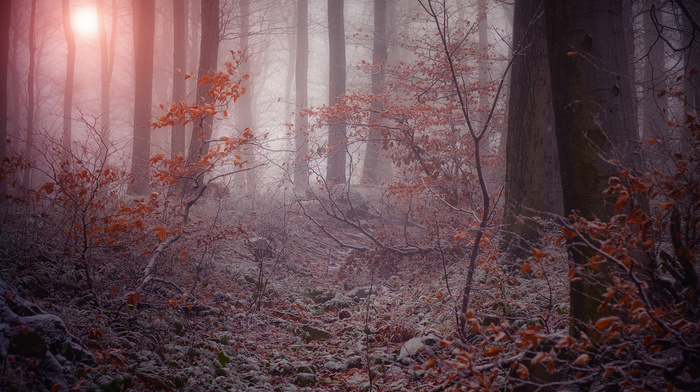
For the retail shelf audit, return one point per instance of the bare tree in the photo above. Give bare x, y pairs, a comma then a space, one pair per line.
5, 12
177, 139
301, 169
29, 141
377, 167
336, 88
208, 57
70, 75
144, 21
107, 53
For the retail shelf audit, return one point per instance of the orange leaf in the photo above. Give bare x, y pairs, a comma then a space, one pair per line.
604, 322
538, 358
666, 206
56, 388
161, 232
571, 54
430, 363
621, 202
583, 358
523, 372
538, 253
491, 351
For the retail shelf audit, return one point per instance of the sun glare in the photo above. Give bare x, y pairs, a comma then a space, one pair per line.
85, 21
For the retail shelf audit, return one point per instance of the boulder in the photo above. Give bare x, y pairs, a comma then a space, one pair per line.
40, 344
418, 347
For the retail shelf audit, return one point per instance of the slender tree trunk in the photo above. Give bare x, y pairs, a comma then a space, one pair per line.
106, 66
144, 22
5, 12
692, 59
27, 180
654, 108
177, 139
483, 60
377, 167
532, 183
593, 108
337, 138
70, 75
208, 57
244, 105
301, 168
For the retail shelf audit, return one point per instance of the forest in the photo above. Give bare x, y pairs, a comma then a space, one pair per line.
360, 195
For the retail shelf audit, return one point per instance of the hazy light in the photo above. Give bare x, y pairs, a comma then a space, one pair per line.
85, 21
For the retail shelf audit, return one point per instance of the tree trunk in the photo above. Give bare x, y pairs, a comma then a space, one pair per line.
532, 184
144, 22
301, 167
377, 167
208, 57
5, 12
27, 180
593, 109
107, 52
177, 139
654, 108
337, 140
244, 105
70, 75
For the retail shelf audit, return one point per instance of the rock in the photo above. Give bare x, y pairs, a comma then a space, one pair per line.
260, 247
353, 203
313, 333
343, 314
360, 293
305, 379
354, 362
337, 303
27, 332
336, 365
419, 346
281, 367
304, 367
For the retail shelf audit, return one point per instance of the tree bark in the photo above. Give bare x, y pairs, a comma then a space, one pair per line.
208, 57
29, 141
301, 167
177, 139
107, 52
5, 12
377, 167
70, 76
532, 184
654, 108
593, 108
337, 139
144, 22
244, 105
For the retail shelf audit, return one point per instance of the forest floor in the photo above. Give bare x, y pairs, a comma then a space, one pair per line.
304, 314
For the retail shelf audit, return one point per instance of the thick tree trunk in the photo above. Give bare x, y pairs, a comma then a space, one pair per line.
5, 12
29, 141
532, 184
301, 168
177, 139
70, 76
208, 57
593, 108
337, 139
377, 167
144, 21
